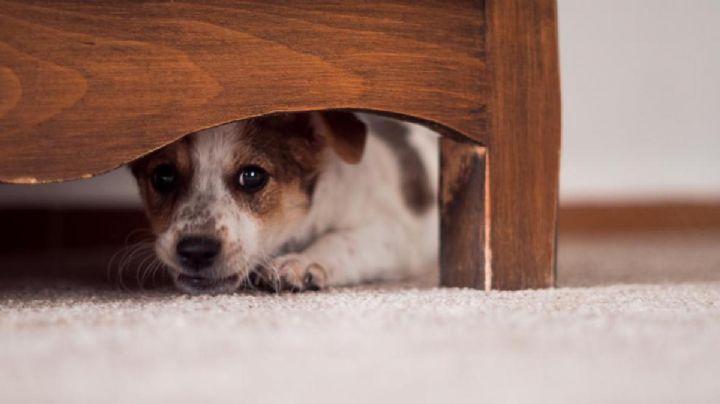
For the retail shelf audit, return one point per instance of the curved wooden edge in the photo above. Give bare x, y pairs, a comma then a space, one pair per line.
441, 129
88, 86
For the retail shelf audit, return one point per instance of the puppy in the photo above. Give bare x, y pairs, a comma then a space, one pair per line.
293, 202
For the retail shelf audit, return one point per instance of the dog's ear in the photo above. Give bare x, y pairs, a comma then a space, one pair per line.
343, 132
340, 130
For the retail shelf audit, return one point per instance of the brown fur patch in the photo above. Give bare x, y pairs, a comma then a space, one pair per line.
159, 207
415, 180
286, 146
288, 142
345, 133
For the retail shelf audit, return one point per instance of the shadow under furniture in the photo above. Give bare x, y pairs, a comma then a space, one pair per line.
89, 86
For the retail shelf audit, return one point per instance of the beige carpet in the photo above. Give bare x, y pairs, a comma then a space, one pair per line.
636, 320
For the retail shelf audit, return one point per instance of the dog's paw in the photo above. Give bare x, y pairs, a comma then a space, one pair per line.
291, 273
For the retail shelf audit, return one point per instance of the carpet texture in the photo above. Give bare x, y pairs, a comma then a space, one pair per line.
635, 319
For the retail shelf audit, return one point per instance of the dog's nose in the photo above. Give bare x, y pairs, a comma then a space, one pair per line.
198, 252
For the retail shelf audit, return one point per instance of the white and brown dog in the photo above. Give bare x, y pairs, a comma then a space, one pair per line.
295, 202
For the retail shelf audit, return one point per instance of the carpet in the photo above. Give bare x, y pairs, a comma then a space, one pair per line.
635, 319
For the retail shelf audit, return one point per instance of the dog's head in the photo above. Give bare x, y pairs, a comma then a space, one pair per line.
222, 200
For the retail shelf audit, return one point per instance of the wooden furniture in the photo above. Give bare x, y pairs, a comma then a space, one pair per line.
88, 86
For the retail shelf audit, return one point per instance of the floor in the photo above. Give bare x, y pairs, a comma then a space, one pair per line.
636, 318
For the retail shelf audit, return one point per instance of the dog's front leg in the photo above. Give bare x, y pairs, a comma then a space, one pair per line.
343, 257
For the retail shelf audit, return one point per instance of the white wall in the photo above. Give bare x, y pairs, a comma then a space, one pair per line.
641, 107
641, 99
115, 189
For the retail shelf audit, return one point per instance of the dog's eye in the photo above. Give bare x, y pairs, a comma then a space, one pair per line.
164, 178
252, 178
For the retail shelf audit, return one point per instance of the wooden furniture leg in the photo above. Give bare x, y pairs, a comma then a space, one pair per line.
524, 142
88, 86
464, 246
514, 203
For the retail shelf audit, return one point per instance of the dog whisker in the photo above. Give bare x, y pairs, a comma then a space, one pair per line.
222, 212
121, 261
141, 270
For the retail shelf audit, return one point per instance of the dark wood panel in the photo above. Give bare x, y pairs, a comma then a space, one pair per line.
108, 245
35, 229
464, 259
80, 243
524, 141
643, 217
32, 229
87, 86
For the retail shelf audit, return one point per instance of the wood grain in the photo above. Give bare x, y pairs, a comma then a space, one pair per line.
464, 253
87, 86
524, 141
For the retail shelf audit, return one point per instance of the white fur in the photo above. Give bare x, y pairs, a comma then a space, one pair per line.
210, 199
368, 232
359, 226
